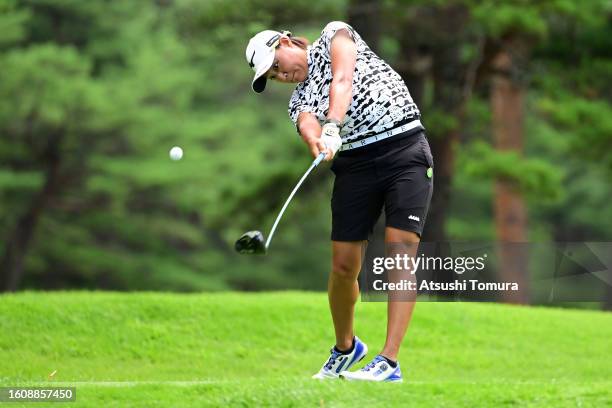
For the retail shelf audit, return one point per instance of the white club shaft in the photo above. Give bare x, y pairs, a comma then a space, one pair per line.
314, 164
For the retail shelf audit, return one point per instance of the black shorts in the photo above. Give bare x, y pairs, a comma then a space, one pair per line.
391, 174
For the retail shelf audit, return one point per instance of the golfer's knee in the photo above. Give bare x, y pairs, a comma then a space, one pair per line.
397, 236
345, 270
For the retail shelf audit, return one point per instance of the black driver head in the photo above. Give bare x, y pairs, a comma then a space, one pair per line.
251, 242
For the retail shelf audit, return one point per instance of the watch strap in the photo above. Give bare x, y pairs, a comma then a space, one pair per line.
334, 121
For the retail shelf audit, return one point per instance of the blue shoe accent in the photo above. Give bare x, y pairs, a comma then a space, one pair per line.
372, 363
341, 365
378, 369
332, 359
358, 352
396, 376
339, 362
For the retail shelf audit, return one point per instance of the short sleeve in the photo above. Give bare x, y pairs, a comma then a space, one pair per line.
297, 106
331, 29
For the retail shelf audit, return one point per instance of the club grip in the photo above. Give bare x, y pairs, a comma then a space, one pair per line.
318, 160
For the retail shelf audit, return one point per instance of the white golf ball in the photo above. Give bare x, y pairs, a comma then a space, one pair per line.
176, 153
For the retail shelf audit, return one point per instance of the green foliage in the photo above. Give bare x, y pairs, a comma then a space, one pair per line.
440, 123
110, 87
530, 176
12, 23
471, 204
591, 121
52, 97
536, 19
571, 126
567, 115
518, 15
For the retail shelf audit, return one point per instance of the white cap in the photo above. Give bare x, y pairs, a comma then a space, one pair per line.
260, 56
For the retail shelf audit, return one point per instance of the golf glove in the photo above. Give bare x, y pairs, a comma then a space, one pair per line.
330, 135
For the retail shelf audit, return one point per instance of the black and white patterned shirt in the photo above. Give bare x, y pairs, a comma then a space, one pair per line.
380, 97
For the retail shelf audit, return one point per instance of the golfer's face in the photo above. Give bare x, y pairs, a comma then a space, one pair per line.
289, 64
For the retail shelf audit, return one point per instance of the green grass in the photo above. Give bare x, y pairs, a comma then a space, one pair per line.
236, 349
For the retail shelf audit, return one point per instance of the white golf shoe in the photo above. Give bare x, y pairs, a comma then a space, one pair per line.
337, 361
378, 369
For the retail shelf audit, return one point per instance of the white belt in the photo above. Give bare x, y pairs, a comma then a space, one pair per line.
381, 136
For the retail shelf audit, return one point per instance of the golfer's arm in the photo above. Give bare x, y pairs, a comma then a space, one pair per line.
309, 128
343, 58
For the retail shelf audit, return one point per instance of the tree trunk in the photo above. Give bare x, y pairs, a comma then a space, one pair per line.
18, 242
430, 55
447, 82
510, 213
434, 59
364, 16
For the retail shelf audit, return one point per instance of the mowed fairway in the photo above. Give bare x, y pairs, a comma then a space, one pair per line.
236, 349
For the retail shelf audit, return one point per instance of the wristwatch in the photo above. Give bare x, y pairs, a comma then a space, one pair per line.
334, 121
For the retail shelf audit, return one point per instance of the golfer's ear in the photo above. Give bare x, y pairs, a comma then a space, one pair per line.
285, 41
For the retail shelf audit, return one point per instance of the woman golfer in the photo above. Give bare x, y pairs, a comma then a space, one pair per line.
352, 105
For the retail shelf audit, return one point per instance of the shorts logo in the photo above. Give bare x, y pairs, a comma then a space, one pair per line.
414, 218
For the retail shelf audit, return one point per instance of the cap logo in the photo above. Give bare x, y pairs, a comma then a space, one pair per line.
251, 61
273, 40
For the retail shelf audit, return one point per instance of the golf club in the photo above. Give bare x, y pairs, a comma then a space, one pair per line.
252, 242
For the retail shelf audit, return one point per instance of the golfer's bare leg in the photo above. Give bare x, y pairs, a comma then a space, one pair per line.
399, 312
343, 289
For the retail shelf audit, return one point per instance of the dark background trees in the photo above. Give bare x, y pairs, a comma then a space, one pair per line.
515, 97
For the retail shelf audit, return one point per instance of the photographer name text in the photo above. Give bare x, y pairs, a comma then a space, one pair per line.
426, 285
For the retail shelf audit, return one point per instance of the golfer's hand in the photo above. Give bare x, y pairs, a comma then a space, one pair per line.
317, 146
330, 137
